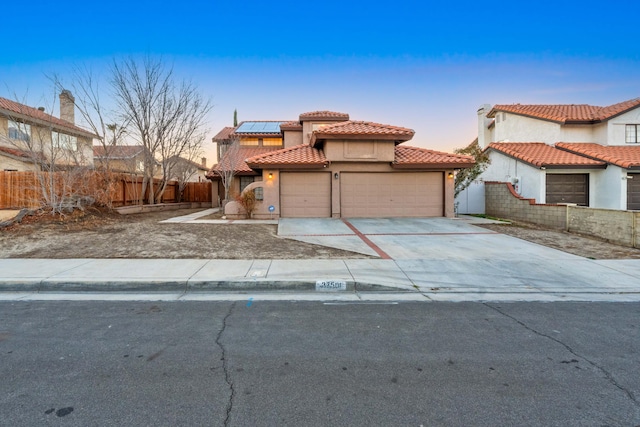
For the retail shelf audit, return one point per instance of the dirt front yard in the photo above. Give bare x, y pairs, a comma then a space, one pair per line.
98, 234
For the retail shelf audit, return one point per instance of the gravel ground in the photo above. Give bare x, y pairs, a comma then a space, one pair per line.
99, 234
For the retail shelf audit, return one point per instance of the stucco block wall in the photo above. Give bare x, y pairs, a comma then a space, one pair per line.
501, 201
613, 225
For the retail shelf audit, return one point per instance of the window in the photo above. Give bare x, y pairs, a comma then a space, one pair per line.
632, 134
249, 141
268, 142
259, 193
244, 181
64, 141
316, 126
19, 131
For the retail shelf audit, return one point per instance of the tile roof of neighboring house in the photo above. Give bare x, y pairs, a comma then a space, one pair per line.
240, 165
540, 155
362, 130
224, 134
324, 115
20, 111
196, 165
624, 156
291, 126
299, 155
15, 153
117, 151
407, 156
571, 113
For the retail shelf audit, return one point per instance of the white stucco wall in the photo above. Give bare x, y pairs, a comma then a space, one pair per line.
505, 169
515, 128
616, 126
608, 189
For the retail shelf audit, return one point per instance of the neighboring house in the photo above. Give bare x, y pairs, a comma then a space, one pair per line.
326, 165
120, 158
582, 154
184, 170
31, 139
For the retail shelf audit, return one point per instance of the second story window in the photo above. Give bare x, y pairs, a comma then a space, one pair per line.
19, 131
64, 141
632, 134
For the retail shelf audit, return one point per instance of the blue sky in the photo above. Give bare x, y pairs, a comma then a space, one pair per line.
419, 64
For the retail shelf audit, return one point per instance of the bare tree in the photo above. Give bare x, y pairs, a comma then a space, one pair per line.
226, 167
165, 117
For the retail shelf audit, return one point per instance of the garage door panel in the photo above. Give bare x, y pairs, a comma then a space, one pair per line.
633, 193
413, 194
305, 195
568, 188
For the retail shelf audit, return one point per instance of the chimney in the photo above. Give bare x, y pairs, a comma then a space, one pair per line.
67, 106
41, 109
484, 134
204, 162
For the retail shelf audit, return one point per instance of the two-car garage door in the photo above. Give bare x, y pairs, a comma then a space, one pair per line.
410, 194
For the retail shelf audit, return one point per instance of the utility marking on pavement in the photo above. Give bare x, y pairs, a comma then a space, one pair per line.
366, 240
250, 302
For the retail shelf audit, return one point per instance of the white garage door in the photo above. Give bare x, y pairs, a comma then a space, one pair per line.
305, 195
410, 194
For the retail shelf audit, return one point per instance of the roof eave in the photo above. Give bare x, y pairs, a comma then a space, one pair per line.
289, 165
431, 166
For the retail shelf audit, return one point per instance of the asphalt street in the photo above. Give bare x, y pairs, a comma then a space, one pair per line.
319, 363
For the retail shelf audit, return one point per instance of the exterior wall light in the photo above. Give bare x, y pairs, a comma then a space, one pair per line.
336, 175
270, 175
450, 175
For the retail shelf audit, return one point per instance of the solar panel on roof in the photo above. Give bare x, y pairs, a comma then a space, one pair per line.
259, 127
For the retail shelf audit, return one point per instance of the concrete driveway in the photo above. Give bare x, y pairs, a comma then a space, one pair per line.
416, 238
453, 255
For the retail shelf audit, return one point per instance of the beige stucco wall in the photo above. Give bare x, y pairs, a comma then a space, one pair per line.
271, 187
359, 151
292, 138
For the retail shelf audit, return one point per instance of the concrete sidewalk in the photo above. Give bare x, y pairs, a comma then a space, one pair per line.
478, 279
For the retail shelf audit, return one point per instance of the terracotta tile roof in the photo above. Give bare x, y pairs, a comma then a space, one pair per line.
539, 154
299, 155
241, 166
324, 115
571, 113
363, 130
291, 126
407, 156
624, 156
15, 153
224, 134
117, 151
17, 110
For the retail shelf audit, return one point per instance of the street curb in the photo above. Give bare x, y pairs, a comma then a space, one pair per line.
182, 286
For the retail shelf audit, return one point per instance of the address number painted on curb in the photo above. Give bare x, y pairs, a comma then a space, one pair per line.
331, 285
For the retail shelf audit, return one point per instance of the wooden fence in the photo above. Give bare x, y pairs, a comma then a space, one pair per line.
23, 189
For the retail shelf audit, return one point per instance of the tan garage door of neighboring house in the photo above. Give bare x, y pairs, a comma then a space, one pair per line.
568, 188
305, 194
410, 194
633, 193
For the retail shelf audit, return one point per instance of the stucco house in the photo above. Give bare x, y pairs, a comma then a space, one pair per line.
583, 154
120, 158
31, 139
326, 165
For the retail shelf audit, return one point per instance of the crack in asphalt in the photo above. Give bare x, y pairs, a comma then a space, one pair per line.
606, 373
225, 367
